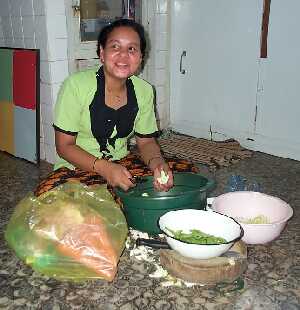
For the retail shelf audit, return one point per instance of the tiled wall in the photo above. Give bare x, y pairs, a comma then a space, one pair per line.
156, 21
42, 24
39, 24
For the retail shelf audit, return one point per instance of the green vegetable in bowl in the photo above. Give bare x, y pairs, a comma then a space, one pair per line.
196, 236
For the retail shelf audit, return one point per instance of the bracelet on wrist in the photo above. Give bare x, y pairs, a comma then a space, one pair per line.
94, 163
152, 158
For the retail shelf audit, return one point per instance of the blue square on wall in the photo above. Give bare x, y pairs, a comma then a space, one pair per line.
25, 133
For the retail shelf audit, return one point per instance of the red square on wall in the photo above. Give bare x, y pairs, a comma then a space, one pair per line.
24, 79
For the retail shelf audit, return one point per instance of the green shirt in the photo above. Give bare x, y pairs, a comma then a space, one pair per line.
72, 114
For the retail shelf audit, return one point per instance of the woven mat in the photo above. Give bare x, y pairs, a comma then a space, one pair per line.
211, 153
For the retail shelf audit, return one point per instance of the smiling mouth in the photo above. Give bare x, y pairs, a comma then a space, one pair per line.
122, 66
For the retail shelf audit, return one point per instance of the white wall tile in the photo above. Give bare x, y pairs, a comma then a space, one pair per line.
18, 43
56, 26
59, 71
150, 74
39, 7
55, 7
55, 90
160, 94
83, 64
162, 110
6, 26
160, 77
15, 8
4, 8
42, 135
27, 8
40, 25
151, 7
17, 27
2, 42
29, 29
158, 67
48, 134
58, 49
46, 95
50, 153
163, 22
162, 6
9, 42
1, 29
42, 150
47, 116
41, 37
45, 72
162, 42
29, 43
164, 122
161, 59
42, 44
156, 7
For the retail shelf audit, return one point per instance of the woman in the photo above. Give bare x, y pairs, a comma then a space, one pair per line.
98, 111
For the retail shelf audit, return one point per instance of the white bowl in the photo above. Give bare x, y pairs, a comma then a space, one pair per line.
248, 205
208, 222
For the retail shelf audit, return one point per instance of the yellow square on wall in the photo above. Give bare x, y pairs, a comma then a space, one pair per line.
7, 127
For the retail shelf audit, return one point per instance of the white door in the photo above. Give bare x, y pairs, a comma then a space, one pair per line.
215, 49
278, 109
86, 18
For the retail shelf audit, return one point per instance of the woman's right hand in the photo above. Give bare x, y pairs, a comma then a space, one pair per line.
116, 175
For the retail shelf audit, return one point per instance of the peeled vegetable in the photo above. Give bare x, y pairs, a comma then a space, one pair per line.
259, 219
163, 178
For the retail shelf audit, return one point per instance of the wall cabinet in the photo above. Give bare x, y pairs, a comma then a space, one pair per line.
220, 88
277, 127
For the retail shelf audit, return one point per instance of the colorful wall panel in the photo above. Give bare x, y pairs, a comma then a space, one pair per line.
19, 103
6, 57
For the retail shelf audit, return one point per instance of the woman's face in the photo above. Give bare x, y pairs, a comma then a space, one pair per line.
121, 56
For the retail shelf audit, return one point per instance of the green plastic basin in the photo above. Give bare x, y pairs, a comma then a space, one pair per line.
143, 206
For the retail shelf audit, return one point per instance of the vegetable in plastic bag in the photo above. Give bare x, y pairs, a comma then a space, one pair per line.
71, 232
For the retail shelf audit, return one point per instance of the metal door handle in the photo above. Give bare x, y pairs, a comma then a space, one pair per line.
76, 10
182, 71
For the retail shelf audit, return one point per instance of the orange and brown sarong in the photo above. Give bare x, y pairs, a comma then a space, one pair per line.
132, 162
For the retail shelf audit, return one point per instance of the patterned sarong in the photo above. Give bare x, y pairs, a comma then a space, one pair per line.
132, 162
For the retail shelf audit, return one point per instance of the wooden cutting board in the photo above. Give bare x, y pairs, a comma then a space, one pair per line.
226, 268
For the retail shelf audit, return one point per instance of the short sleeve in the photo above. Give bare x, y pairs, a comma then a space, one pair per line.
146, 121
68, 107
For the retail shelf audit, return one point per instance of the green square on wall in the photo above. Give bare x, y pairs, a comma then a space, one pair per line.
6, 78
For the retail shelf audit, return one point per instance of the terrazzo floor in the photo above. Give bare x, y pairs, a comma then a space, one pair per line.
270, 282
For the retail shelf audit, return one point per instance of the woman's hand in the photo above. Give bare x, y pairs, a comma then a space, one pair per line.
116, 175
151, 155
157, 166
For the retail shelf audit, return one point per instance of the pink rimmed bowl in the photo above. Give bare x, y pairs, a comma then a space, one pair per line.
245, 205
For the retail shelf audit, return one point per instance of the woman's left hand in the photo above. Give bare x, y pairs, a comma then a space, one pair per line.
151, 155
157, 177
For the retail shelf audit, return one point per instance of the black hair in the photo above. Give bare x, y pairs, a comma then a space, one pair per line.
138, 28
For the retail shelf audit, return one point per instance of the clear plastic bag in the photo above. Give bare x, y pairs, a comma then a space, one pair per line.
71, 232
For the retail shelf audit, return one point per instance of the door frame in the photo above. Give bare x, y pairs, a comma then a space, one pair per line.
87, 54
87, 50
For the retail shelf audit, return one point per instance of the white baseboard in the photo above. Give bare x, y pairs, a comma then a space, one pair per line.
270, 145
